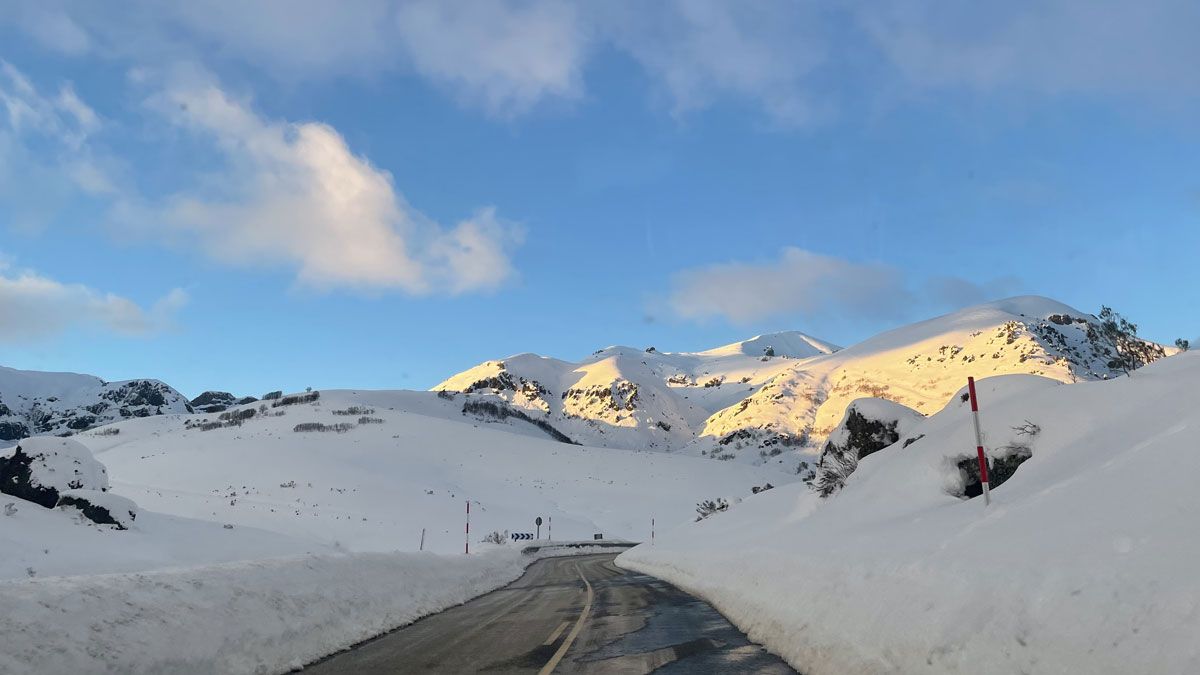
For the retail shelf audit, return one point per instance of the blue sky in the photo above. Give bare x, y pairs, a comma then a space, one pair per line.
382, 194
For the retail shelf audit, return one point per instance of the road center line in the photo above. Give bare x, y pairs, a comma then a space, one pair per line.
562, 650
557, 631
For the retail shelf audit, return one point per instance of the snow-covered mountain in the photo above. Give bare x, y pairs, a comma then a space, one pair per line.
1080, 563
367, 470
41, 403
772, 397
623, 397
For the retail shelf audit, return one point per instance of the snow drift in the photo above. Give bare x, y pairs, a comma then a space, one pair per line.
266, 616
1083, 563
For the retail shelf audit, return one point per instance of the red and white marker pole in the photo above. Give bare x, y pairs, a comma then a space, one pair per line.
983, 469
651, 531
550, 528
467, 545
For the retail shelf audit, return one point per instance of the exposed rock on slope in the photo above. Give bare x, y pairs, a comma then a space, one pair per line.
218, 401
870, 425
41, 469
38, 403
920, 366
769, 398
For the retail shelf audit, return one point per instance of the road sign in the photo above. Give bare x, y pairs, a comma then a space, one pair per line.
519, 536
538, 522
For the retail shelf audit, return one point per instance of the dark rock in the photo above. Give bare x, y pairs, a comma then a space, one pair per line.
16, 480
13, 431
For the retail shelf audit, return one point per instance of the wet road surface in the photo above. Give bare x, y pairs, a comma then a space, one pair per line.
578, 614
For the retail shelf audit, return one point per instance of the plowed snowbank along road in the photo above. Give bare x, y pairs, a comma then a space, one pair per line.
634, 624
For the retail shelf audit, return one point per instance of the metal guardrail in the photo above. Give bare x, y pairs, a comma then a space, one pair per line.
579, 544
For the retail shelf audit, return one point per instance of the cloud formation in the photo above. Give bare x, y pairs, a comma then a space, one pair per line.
295, 194
790, 59
505, 56
33, 307
1057, 47
806, 284
289, 194
699, 51
799, 282
44, 151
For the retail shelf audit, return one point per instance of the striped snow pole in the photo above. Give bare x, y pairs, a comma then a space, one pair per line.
467, 545
983, 469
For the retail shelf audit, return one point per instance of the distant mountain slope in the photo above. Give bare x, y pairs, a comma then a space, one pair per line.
368, 470
636, 398
772, 397
42, 403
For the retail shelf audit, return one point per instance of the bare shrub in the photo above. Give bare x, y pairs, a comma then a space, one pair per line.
353, 410
340, 427
708, 507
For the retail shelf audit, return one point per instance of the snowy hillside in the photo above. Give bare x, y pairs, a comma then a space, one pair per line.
37, 403
623, 397
1080, 564
366, 471
774, 399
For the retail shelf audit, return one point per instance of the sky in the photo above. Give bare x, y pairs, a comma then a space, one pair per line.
381, 193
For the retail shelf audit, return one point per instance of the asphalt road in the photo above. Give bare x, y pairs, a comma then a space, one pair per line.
579, 614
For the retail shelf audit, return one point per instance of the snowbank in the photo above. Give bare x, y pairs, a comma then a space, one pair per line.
1084, 562
267, 616
103, 508
39, 469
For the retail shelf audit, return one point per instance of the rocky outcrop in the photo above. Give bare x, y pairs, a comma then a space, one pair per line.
38, 403
102, 508
41, 469
869, 425
218, 401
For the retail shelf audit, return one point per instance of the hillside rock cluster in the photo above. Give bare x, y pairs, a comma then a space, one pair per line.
778, 398
62, 473
36, 403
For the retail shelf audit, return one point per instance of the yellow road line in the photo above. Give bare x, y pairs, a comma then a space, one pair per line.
562, 650
557, 631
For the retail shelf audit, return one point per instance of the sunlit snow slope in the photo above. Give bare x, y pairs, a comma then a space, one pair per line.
1083, 562
773, 399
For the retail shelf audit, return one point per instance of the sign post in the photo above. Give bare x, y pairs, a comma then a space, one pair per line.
538, 522
422, 539
983, 468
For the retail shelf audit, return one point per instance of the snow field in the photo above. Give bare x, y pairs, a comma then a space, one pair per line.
256, 617
1084, 563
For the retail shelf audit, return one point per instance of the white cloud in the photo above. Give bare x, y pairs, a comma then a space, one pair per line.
811, 285
287, 194
53, 28
295, 194
63, 117
33, 307
699, 50
798, 283
44, 154
956, 292
505, 55
794, 60
1089, 47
